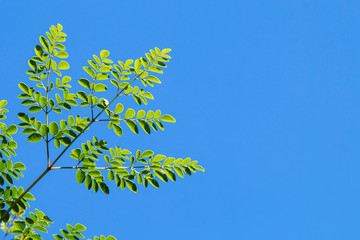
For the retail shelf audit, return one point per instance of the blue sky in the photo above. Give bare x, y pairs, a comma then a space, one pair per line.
265, 94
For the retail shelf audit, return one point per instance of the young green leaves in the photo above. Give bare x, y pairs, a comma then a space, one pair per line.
76, 232
49, 48
29, 227
10, 170
51, 93
128, 170
133, 120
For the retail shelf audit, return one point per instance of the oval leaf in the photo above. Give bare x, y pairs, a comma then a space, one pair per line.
100, 87
63, 65
35, 137
129, 113
167, 118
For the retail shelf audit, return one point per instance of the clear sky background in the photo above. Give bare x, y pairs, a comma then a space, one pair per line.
266, 97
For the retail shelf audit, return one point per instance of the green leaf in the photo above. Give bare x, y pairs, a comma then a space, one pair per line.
132, 125
35, 137
29, 196
167, 118
119, 108
137, 65
110, 238
89, 71
186, 161
44, 42
28, 131
57, 143
44, 130
160, 64
159, 157
161, 174
155, 69
71, 120
186, 170
88, 181
57, 237
63, 65
59, 27
60, 46
39, 228
166, 50
53, 128
148, 95
104, 54
140, 114
198, 167
144, 62
62, 54
153, 79
9, 165
100, 87
7, 178
84, 82
35, 109
82, 95
131, 186
24, 87
43, 101
169, 161
65, 106
102, 76
3, 103
129, 113
145, 126
146, 154
153, 182
104, 187
79, 227
179, 171
12, 129
128, 62
117, 130
171, 175
19, 166
138, 99
39, 51
28, 102
23, 117
19, 225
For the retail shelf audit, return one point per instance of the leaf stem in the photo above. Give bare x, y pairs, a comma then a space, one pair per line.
47, 119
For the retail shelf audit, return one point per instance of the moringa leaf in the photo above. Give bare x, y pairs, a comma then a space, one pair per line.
167, 118
129, 113
119, 108
84, 82
35, 137
63, 65
132, 125
104, 54
100, 87
80, 176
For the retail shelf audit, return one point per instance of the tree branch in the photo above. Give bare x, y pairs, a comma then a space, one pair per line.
50, 167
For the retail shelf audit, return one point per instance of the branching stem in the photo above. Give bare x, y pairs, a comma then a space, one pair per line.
51, 165
60, 155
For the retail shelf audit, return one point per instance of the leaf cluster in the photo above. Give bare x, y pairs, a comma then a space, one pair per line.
95, 164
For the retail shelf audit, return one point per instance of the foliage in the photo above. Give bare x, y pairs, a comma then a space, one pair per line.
95, 164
